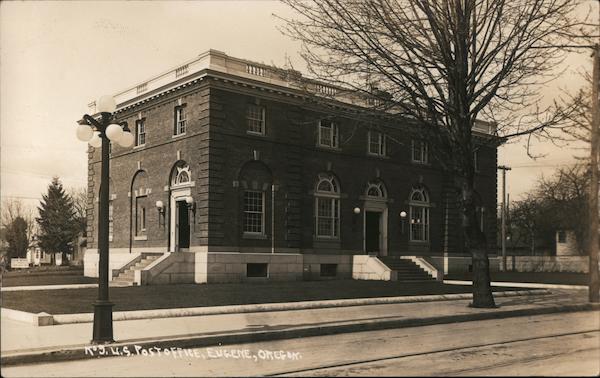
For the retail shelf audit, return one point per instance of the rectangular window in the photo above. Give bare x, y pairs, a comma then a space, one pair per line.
419, 152
257, 270
328, 270
140, 132
254, 212
255, 119
476, 161
180, 120
328, 134
328, 215
562, 237
419, 223
140, 216
376, 143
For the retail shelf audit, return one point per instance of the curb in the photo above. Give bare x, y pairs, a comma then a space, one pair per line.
48, 287
200, 340
263, 307
532, 285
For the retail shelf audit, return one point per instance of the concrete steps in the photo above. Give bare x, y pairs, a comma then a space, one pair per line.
406, 270
126, 277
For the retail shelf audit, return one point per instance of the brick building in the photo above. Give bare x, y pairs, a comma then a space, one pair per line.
238, 173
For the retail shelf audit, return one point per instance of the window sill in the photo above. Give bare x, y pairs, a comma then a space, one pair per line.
140, 237
419, 242
254, 236
424, 163
370, 154
328, 148
177, 136
139, 147
255, 133
326, 239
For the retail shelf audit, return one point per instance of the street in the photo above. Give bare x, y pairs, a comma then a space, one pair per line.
555, 344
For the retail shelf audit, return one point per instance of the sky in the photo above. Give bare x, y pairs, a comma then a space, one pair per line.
56, 57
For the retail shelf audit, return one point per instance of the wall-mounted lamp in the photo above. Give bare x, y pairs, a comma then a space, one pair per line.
402, 219
356, 211
160, 206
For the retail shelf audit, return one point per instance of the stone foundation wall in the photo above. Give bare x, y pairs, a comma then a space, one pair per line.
115, 261
312, 266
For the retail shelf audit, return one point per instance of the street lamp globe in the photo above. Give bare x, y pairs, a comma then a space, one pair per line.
126, 139
114, 132
96, 141
84, 133
106, 104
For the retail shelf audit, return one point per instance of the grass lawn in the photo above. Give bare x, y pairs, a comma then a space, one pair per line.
69, 301
561, 278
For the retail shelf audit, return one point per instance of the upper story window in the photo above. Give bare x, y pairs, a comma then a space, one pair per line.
327, 208
255, 119
419, 214
140, 132
376, 143
328, 134
180, 120
420, 152
562, 237
254, 212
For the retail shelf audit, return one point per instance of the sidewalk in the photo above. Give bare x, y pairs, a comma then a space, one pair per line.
23, 343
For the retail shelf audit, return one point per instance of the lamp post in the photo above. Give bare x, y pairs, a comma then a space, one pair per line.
98, 131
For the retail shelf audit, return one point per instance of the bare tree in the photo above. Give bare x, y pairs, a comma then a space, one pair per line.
79, 197
445, 65
565, 195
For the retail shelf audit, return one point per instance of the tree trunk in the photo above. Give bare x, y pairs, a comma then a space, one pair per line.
475, 243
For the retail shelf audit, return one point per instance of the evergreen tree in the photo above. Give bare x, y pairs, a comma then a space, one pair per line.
16, 237
57, 222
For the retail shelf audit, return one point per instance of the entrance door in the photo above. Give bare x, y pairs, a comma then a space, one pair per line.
183, 225
372, 231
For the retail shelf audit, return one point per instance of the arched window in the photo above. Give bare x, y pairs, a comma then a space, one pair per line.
419, 214
376, 190
327, 207
181, 175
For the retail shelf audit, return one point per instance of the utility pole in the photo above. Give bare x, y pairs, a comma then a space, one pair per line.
594, 281
503, 212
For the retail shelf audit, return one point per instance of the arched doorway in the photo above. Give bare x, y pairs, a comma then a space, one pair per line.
375, 219
180, 204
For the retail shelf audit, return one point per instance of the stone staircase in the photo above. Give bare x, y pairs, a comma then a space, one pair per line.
406, 269
126, 276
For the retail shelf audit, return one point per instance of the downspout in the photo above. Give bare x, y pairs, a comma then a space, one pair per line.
272, 218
